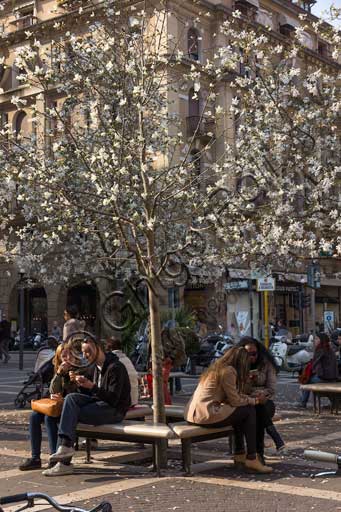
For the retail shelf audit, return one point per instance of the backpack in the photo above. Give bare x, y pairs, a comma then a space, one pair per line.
173, 345
306, 374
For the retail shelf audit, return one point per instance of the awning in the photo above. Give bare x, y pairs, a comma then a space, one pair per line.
287, 21
24, 6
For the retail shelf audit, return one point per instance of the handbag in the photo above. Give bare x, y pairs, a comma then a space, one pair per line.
48, 406
306, 374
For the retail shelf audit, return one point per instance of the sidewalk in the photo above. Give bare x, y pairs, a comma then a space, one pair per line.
121, 473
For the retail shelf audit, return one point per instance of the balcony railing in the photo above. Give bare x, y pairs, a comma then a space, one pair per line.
200, 126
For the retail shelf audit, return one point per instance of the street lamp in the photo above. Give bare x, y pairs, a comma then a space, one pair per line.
21, 286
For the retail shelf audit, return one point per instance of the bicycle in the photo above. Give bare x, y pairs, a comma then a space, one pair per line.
29, 497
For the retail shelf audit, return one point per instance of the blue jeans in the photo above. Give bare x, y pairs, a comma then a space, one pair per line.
51, 424
84, 409
314, 379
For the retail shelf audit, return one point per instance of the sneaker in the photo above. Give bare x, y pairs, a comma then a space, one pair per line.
59, 469
30, 464
63, 452
180, 392
255, 466
281, 448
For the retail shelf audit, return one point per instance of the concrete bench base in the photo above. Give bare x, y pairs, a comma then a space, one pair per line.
331, 390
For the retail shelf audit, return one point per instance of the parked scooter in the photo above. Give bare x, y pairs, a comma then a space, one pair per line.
290, 357
222, 346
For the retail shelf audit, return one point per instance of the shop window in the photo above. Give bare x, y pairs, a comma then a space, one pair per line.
173, 298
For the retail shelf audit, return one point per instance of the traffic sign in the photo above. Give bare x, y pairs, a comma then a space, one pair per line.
328, 317
266, 284
314, 275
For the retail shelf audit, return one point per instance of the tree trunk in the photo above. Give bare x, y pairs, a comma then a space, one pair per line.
156, 349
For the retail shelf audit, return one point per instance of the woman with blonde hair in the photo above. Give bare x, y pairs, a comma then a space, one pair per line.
220, 400
60, 385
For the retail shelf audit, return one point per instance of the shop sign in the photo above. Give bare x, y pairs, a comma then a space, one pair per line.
237, 285
266, 284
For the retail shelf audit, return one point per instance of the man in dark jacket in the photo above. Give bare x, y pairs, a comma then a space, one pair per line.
107, 401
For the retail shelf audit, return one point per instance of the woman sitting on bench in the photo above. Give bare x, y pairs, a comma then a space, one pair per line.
219, 401
324, 368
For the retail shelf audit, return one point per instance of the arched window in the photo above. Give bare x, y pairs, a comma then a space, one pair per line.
193, 118
20, 123
193, 44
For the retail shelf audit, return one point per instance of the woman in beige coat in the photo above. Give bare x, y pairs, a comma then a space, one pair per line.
219, 400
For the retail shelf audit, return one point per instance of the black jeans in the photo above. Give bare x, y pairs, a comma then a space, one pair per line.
243, 421
264, 414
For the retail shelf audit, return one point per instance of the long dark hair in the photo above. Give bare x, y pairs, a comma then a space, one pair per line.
238, 358
263, 354
324, 343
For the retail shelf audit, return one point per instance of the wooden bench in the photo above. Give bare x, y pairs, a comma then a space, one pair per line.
128, 431
189, 434
331, 390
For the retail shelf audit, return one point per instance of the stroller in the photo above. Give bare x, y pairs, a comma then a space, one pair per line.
40, 377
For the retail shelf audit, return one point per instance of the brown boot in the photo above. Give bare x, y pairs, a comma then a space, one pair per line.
239, 460
255, 466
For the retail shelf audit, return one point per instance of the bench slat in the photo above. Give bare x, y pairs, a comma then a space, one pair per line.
151, 430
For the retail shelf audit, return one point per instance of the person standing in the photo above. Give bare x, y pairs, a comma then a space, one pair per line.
72, 323
106, 402
114, 345
56, 331
5, 336
220, 400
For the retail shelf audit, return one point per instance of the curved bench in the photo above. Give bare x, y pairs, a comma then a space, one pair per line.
331, 390
189, 434
128, 431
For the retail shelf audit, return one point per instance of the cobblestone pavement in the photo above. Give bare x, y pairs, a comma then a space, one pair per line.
121, 473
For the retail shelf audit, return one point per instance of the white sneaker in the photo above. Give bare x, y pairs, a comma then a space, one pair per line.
63, 452
59, 469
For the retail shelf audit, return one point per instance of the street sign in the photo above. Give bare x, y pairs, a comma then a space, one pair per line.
266, 284
314, 275
237, 285
328, 317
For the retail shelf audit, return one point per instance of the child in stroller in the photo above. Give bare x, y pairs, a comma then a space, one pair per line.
42, 374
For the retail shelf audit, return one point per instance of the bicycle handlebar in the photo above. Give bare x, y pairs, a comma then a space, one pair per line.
14, 498
30, 496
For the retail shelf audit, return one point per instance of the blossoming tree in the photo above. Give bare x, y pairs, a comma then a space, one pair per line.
108, 179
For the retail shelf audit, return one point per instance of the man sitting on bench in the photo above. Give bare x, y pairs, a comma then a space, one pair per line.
106, 402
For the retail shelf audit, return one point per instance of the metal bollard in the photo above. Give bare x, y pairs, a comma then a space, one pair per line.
324, 457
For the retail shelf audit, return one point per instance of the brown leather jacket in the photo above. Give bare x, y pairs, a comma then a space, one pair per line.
212, 403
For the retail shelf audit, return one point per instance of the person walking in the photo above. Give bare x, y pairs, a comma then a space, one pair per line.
107, 402
324, 365
262, 379
220, 400
72, 323
60, 385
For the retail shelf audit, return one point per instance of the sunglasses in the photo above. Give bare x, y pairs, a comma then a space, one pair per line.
252, 354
